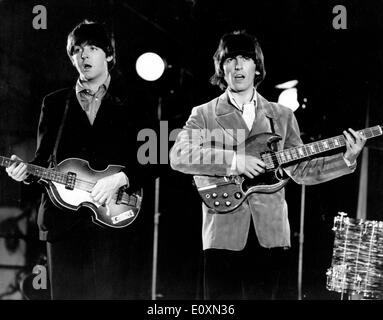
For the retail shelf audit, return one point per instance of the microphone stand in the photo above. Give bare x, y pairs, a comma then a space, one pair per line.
301, 241
155, 239
157, 214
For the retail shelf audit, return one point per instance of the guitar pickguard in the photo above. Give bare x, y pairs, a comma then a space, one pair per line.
71, 198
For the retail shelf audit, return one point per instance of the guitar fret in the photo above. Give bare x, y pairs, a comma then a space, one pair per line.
288, 155
294, 154
276, 158
312, 149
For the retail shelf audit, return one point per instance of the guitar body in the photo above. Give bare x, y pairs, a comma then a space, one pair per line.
122, 210
224, 194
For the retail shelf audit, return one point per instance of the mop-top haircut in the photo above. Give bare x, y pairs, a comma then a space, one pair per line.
234, 44
92, 33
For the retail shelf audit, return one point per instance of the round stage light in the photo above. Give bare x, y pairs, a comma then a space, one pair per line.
150, 66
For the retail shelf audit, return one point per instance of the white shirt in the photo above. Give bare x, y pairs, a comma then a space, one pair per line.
247, 109
248, 114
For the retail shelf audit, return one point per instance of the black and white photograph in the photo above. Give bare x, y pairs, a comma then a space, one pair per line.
191, 154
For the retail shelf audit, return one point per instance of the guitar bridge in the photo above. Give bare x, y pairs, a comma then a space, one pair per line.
70, 181
235, 179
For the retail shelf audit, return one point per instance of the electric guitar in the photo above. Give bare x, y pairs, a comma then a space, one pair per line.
225, 194
70, 184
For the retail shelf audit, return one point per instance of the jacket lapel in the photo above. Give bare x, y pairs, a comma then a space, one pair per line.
264, 115
230, 119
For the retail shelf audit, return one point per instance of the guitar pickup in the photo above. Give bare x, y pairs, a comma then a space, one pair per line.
70, 180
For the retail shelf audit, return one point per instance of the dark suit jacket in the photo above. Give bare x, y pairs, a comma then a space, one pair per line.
111, 140
268, 211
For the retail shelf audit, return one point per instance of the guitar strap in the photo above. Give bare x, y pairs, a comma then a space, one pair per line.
52, 159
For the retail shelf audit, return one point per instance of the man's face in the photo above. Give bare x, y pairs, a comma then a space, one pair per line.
90, 61
239, 73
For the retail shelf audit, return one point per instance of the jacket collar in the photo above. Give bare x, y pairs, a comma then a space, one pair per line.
224, 106
116, 95
230, 119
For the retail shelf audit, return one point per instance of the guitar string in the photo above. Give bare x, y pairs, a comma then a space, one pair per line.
62, 178
79, 183
370, 132
83, 185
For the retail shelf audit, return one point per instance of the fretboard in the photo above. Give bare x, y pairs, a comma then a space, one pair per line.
307, 150
47, 174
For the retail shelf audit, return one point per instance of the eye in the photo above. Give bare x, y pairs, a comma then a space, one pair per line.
93, 48
228, 60
75, 50
245, 58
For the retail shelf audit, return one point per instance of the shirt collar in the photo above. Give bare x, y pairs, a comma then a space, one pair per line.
82, 86
235, 104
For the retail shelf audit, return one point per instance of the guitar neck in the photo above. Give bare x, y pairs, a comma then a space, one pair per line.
40, 172
310, 149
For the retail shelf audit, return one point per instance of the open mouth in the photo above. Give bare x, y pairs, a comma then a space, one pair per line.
239, 77
87, 66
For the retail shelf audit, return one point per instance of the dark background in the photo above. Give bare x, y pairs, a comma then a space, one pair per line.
339, 73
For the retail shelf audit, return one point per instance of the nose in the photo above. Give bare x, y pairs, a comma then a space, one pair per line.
238, 63
84, 53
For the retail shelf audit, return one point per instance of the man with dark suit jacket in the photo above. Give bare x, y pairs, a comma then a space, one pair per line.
86, 261
244, 259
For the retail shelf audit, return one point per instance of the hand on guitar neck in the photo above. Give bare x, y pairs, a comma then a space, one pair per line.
102, 192
252, 166
18, 170
354, 144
